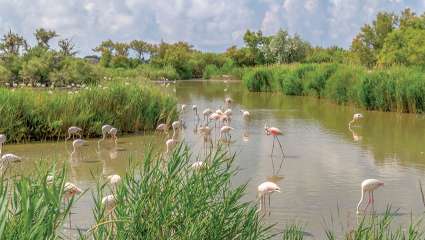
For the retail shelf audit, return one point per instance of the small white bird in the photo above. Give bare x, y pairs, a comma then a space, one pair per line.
109, 202
264, 190
73, 130
114, 179
369, 186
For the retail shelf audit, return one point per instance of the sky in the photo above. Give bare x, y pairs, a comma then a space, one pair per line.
209, 25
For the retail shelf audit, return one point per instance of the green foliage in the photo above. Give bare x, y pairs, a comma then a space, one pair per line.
39, 115
5, 75
258, 80
173, 202
293, 232
76, 71
32, 209
209, 71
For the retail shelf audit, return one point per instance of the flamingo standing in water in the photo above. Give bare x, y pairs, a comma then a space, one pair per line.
264, 190
228, 101
206, 113
245, 115
2, 141
109, 202
369, 186
113, 132
176, 125
76, 144
6, 159
162, 127
72, 131
114, 179
105, 130
225, 131
275, 132
70, 190
356, 117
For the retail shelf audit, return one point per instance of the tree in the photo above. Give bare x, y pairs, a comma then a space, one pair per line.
367, 44
43, 36
257, 44
121, 49
66, 47
140, 47
286, 49
11, 43
105, 48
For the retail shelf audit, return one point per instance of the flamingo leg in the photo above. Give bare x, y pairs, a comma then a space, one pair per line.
368, 202
269, 205
273, 146
281, 148
69, 136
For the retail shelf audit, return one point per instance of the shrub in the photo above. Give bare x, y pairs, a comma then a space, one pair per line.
210, 71
258, 80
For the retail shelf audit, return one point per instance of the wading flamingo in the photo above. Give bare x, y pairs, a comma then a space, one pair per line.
113, 132
170, 143
105, 130
275, 132
356, 117
162, 127
206, 113
198, 165
176, 125
109, 202
245, 115
6, 159
114, 179
228, 101
77, 143
69, 191
195, 112
225, 131
264, 190
72, 131
184, 106
369, 186
2, 141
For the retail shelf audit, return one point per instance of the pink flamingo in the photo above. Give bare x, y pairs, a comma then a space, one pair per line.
275, 132
369, 186
264, 190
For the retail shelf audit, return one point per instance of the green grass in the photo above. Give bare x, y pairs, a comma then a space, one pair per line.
398, 89
39, 115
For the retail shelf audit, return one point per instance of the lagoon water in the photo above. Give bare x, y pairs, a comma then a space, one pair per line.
324, 162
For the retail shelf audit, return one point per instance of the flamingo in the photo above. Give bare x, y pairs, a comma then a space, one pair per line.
275, 132
113, 132
228, 101
206, 132
73, 130
198, 165
245, 115
70, 190
195, 111
264, 190
356, 117
3, 139
105, 130
225, 130
162, 127
170, 143
206, 113
114, 179
369, 186
77, 143
184, 106
8, 158
176, 125
109, 202
215, 117
228, 112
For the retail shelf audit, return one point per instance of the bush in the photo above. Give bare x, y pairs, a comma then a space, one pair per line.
210, 71
5, 75
341, 86
76, 71
38, 115
258, 80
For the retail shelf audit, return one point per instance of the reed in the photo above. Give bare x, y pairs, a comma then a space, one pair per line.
399, 89
29, 115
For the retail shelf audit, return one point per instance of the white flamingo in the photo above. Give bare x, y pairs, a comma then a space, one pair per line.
109, 202
264, 190
162, 127
72, 131
114, 179
245, 115
113, 132
206, 113
225, 131
70, 190
356, 117
105, 130
77, 143
369, 186
6, 159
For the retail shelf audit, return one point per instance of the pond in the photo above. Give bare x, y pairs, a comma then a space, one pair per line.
320, 175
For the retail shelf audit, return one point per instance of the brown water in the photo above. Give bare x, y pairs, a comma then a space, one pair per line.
320, 176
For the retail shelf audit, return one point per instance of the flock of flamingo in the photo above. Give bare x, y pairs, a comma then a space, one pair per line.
221, 118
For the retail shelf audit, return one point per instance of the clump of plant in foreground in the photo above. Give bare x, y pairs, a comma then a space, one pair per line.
39, 115
398, 89
165, 198
32, 208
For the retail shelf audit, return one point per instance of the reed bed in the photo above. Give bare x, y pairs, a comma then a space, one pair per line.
28, 114
165, 198
397, 89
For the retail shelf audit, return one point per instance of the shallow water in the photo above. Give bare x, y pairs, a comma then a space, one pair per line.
324, 162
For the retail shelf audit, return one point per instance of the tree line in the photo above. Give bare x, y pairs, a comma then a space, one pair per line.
391, 39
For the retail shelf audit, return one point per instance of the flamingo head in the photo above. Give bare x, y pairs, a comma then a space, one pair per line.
266, 129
